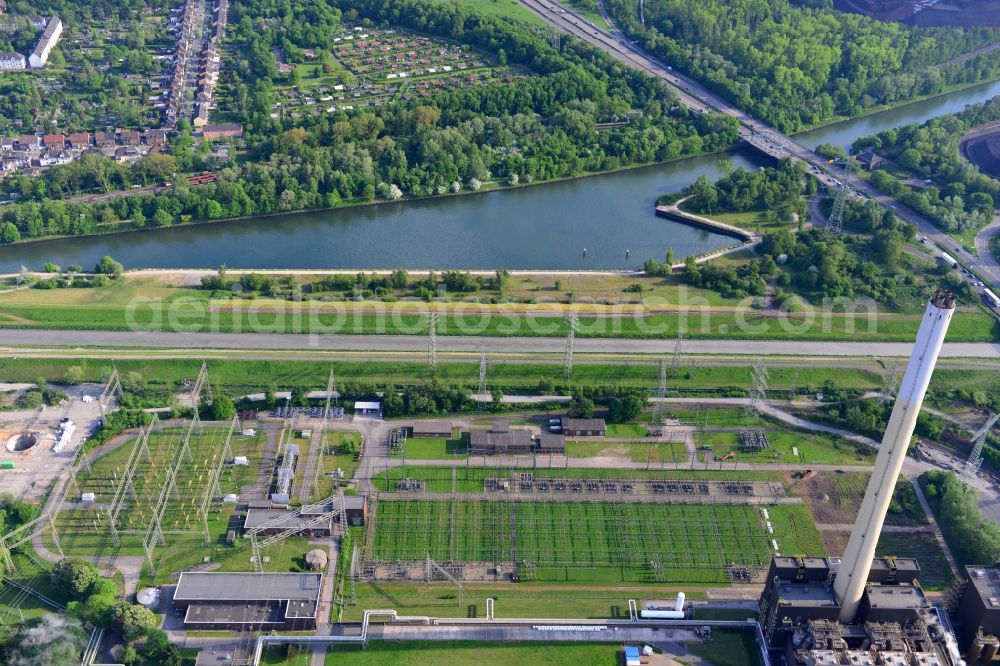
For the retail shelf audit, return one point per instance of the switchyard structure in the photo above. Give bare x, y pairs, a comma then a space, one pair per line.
167, 482
325, 512
503, 524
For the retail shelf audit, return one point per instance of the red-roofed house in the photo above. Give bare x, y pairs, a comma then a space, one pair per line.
79, 140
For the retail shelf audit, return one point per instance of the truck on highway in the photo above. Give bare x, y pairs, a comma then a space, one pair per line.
948, 260
990, 299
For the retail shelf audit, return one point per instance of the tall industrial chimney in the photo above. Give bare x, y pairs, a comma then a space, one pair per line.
849, 585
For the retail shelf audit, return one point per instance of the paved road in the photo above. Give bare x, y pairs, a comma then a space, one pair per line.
763, 137
986, 258
21, 341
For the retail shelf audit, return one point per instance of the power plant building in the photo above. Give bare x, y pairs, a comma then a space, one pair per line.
860, 609
255, 601
978, 614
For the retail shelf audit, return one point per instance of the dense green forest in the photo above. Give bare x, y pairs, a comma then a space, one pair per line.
539, 127
972, 538
960, 196
796, 66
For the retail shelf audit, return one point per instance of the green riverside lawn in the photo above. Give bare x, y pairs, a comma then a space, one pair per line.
971, 326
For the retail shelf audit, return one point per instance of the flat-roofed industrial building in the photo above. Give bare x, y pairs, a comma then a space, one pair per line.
583, 427
432, 429
238, 601
500, 440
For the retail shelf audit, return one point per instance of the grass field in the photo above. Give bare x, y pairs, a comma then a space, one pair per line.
525, 599
435, 653
598, 542
157, 304
17, 606
728, 648
812, 448
655, 452
436, 448
239, 377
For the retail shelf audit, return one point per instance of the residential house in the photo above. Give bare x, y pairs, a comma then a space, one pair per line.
130, 137
12, 61
79, 140
127, 154
47, 42
156, 137
104, 139
28, 142
54, 157
7, 144
222, 131
54, 141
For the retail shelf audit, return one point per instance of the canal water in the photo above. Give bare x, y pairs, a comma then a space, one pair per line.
544, 227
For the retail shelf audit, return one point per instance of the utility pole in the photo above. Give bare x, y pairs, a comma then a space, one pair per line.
432, 321
975, 461
836, 222
571, 324
481, 394
675, 363
758, 389
889, 383
659, 406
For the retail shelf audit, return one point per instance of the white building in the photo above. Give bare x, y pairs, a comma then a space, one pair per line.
47, 42
12, 61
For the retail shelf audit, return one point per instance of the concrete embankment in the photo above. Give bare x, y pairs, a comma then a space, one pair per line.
677, 215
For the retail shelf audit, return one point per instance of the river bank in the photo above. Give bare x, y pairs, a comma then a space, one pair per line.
513, 227
487, 188
883, 108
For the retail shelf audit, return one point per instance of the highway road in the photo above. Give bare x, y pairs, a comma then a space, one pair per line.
763, 137
14, 342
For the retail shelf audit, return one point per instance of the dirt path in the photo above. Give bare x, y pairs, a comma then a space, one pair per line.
952, 563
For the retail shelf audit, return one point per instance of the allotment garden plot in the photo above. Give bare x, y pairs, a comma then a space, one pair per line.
373, 67
596, 541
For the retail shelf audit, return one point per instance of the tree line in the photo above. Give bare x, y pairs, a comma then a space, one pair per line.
540, 127
795, 66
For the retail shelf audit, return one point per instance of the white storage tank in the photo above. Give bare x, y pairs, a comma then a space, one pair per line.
149, 597
662, 614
